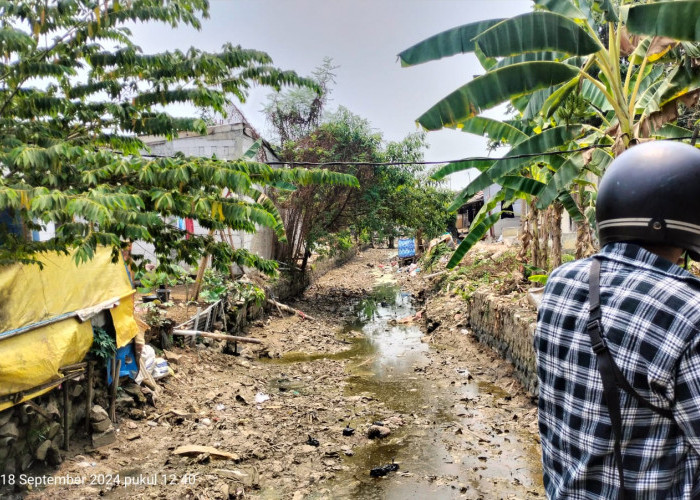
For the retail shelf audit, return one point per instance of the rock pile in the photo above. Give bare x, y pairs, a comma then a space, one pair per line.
102, 429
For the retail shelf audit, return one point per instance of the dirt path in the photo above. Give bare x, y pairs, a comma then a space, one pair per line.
458, 426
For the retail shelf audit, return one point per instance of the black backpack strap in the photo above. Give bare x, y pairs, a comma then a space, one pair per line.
605, 367
610, 373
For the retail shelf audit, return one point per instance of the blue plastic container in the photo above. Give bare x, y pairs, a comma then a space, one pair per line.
407, 248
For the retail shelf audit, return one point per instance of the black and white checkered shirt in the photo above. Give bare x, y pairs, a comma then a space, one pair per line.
651, 322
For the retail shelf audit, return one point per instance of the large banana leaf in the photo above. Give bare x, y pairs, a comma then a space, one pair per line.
677, 20
448, 43
563, 7
671, 131
529, 57
480, 182
522, 185
536, 32
537, 100
595, 96
496, 199
493, 129
681, 81
692, 49
571, 207
606, 8
493, 88
560, 180
458, 166
547, 140
475, 234
488, 63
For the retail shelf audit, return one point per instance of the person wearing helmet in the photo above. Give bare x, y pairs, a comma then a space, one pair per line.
618, 340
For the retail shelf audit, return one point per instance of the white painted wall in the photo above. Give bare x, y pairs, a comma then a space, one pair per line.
227, 142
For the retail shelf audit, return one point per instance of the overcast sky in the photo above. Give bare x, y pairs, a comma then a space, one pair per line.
363, 37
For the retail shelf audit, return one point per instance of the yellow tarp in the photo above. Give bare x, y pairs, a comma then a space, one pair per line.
33, 358
30, 295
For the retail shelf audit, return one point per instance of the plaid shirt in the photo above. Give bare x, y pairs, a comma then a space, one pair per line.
651, 321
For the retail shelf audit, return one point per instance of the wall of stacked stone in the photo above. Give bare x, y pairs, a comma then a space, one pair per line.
508, 328
33, 434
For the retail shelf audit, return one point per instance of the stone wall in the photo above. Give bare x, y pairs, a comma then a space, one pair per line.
32, 433
292, 284
499, 323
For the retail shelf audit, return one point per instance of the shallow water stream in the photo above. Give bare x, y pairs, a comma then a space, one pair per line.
438, 456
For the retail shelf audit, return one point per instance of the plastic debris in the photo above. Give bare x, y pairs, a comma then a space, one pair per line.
384, 470
348, 431
261, 398
312, 441
161, 369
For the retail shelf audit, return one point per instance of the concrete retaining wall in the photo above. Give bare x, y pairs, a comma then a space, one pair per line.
509, 329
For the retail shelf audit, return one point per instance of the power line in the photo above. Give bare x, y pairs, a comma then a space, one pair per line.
444, 162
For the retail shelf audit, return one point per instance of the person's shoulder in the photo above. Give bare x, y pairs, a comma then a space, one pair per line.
572, 270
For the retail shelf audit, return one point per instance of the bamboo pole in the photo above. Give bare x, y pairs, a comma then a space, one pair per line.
290, 309
115, 384
218, 336
18, 396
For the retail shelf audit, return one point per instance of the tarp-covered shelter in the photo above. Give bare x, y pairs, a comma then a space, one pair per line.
45, 318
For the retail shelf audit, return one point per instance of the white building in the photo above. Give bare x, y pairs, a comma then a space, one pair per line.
227, 142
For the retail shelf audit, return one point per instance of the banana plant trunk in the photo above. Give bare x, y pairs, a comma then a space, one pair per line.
525, 236
534, 219
555, 232
544, 238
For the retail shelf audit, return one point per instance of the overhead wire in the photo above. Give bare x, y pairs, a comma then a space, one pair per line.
443, 162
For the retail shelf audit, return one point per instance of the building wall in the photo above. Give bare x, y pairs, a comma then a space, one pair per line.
507, 227
227, 142
510, 227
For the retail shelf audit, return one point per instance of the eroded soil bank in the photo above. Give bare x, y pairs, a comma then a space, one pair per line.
459, 425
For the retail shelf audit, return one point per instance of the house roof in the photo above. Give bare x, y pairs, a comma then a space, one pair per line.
478, 197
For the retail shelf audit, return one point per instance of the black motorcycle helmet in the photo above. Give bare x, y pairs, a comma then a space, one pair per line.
651, 194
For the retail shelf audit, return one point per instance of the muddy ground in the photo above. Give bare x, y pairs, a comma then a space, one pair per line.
457, 425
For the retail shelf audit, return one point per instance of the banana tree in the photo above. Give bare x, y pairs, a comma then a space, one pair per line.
581, 74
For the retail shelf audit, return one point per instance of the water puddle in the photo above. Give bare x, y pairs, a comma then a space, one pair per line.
387, 364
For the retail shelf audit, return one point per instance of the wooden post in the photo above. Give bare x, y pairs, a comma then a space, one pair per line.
66, 415
193, 340
115, 384
223, 317
89, 395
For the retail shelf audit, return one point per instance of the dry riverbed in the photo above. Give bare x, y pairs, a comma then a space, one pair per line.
277, 418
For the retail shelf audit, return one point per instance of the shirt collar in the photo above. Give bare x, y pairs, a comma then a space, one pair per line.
634, 255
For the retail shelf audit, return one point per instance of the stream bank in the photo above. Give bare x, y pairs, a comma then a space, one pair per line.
459, 427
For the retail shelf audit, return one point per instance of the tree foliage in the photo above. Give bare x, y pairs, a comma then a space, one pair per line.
295, 113
389, 199
578, 73
76, 93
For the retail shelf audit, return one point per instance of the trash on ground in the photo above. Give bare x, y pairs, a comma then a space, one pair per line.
384, 470
194, 450
261, 397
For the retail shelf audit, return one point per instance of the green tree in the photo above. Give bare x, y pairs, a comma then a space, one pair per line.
311, 213
384, 215
76, 93
579, 73
295, 113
